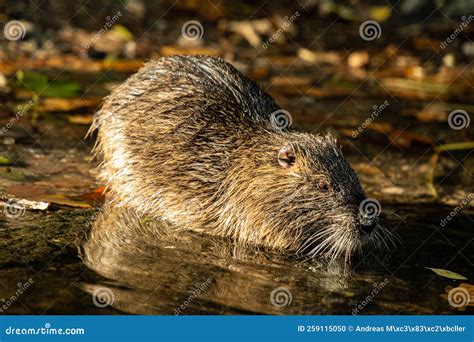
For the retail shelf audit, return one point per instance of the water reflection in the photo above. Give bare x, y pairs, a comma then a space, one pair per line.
151, 269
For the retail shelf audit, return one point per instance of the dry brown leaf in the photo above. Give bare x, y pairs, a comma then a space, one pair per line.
433, 113
425, 43
346, 132
63, 200
258, 73
80, 119
251, 30
413, 89
393, 190
368, 169
281, 61
95, 195
318, 57
380, 127
358, 59
57, 104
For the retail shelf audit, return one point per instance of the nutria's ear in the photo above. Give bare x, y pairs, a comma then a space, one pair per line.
286, 156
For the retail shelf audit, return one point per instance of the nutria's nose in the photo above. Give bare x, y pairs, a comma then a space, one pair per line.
367, 225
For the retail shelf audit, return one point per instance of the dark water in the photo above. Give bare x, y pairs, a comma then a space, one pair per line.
80, 260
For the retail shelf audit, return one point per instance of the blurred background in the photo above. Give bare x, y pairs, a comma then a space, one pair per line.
393, 80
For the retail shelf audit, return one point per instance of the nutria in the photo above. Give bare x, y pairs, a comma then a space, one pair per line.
192, 141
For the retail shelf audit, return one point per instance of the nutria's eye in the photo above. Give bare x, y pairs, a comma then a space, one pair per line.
286, 156
323, 186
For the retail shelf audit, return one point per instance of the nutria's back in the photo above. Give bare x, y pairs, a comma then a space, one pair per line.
190, 140
173, 121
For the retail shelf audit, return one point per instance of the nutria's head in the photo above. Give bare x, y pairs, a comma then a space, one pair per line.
300, 194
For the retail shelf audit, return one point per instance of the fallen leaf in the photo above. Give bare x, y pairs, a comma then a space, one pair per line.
95, 195
380, 127
380, 13
393, 190
447, 274
63, 200
5, 161
43, 87
414, 89
80, 119
368, 169
426, 44
467, 145
251, 30
358, 59
60, 88
258, 73
346, 132
122, 32
66, 105
319, 57
433, 113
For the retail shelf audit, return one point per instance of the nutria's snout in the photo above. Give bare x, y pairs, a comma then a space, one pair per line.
373, 236
367, 224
